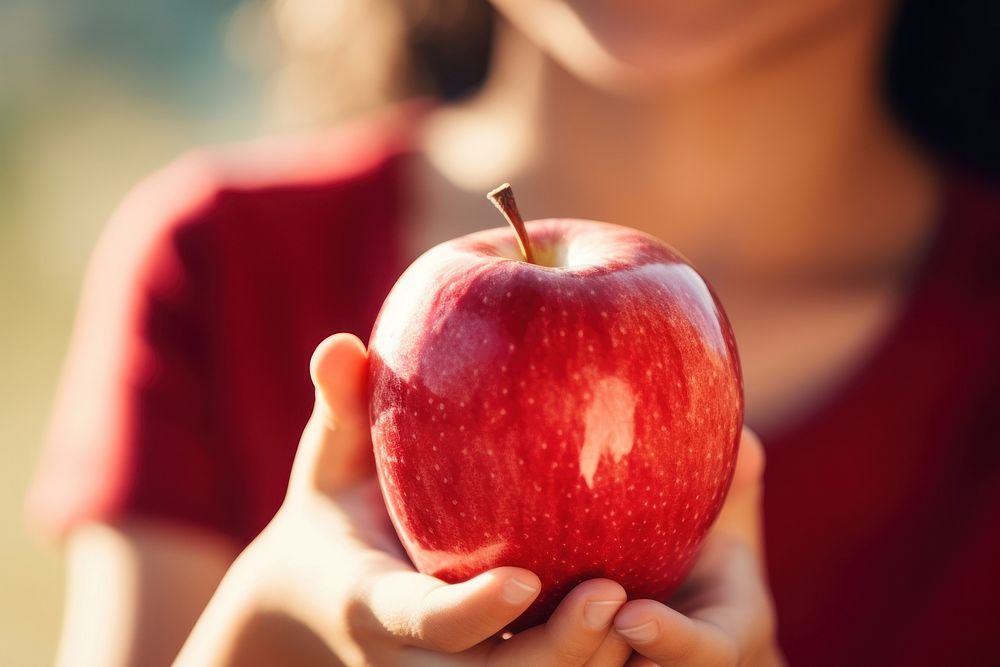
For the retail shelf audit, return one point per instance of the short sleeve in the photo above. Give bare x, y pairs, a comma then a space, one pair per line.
131, 432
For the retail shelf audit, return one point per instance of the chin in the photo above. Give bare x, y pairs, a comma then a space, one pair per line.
644, 47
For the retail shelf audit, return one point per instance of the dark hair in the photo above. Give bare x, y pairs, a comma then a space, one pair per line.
942, 66
942, 71
943, 78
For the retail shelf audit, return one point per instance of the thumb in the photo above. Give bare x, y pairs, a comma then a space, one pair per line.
335, 449
339, 371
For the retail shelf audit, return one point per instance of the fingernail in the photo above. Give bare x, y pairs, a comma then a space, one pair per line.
643, 633
597, 614
516, 591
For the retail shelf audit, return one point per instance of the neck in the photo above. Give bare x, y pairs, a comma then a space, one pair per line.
752, 172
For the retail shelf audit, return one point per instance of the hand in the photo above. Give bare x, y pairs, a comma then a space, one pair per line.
330, 561
723, 616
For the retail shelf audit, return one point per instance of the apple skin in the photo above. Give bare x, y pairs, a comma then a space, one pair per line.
579, 420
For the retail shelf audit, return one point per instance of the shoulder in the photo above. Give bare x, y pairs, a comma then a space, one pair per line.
355, 164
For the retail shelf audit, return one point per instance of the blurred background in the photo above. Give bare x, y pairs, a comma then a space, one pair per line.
92, 96
96, 94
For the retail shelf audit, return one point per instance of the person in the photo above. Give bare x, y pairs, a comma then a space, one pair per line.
203, 523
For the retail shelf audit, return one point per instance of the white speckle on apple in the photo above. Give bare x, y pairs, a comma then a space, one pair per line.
609, 426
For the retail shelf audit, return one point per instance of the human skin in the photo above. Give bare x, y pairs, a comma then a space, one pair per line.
765, 153
771, 161
329, 561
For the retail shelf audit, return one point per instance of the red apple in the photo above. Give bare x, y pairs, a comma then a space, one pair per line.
568, 399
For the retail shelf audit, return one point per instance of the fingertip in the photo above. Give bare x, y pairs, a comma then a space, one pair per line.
333, 353
637, 611
607, 589
339, 369
639, 621
750, 461
516, 586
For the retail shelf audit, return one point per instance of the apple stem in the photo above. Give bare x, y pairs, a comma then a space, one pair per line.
503, 198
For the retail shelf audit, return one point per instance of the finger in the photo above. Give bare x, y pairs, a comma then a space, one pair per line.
574, 633
639, 660
339, 368
335, 448
421, 611
727, 611
613, 652
740, 515
670, 638
749, 462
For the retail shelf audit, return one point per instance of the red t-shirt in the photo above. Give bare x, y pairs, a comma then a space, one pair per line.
187, 386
